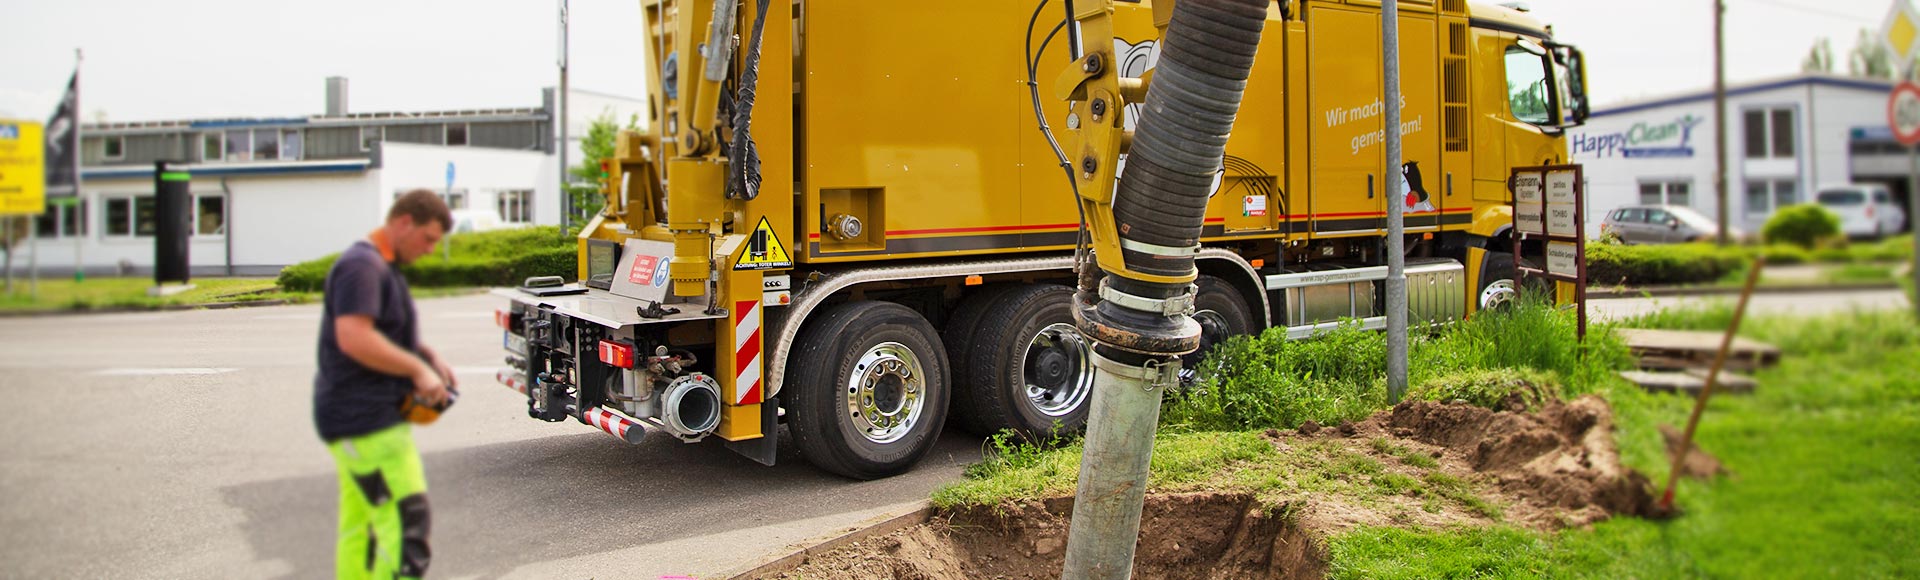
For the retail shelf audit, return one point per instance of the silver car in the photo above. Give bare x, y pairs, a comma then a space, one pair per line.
1658, 224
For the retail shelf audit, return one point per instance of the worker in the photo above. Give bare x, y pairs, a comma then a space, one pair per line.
372, 362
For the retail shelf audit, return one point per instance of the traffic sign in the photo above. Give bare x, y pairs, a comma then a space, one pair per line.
23, 165
1903, 113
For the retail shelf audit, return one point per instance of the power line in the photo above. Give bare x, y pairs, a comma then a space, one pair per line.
1819, 11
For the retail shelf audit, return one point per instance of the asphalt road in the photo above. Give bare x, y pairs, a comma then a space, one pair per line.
181, 445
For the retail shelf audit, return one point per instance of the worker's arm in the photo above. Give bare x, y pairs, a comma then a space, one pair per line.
440, 365
365, 345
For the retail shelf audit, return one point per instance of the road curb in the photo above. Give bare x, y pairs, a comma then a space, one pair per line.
794, 560
1657, 291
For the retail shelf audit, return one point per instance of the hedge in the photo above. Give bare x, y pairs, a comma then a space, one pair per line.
1609, 264
496, 258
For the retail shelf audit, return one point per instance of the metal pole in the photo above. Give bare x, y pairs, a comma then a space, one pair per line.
1396, 206
33, 253
79, 206
1913, 213
560, 118
1720, 116
1121, 420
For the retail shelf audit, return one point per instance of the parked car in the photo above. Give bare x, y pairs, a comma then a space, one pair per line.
1659, 224
1866, 210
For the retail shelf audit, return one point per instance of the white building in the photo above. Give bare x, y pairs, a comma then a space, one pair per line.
1786, 138
273, 192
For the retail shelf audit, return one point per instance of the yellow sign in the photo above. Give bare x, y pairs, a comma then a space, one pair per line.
763, 250
1900, 30
23, 167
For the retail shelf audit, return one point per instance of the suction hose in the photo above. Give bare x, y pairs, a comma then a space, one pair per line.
1141, 327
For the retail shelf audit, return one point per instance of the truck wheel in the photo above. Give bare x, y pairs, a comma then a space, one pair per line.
1500, 283
1028, 368
962, 322
1221, 312
869, 390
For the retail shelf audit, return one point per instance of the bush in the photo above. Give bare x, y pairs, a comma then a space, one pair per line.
1490, 388
1668, 264
1804, 225
1785, 254
495, 258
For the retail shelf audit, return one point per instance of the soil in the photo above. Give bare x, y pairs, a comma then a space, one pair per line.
1699, 464
1546, 470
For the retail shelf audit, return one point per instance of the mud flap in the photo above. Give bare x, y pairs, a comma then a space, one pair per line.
762, 448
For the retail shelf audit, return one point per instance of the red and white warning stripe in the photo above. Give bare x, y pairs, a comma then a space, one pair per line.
614, 424
746, 352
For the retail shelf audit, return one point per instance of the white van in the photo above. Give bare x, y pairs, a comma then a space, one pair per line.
1866, 210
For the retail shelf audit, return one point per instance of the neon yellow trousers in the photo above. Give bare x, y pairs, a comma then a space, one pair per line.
383, 506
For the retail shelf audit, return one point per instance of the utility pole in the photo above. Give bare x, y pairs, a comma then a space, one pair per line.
560, 119
1720, 115
1396, 206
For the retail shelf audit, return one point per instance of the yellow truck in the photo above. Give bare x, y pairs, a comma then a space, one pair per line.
857, 218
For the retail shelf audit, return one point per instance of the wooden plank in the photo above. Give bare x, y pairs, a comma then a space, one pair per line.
1690, 382
1748, 354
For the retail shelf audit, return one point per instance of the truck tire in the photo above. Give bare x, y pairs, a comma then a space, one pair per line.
962, 322
1500, 283
1222, 313
1027, 366
869, 391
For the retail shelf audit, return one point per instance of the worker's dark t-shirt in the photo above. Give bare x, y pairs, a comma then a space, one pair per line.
350, 399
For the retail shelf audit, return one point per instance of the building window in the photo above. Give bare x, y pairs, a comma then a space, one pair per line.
266, 144
456, 134
291, 144
239, 145
1766, 195
516, 206
1527, 87
371, 135
210, 216
119, 222
211, 147
1666, 193
132, 216
115, 146
1768, 133
63, 220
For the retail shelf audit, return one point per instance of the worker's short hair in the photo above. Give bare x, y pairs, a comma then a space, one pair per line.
422, 205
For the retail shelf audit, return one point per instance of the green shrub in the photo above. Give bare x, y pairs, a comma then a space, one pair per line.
1833, 255
1489, 388
494, 258
1269, 381
1785, 254
1660, 264
1891, 249
1804, 225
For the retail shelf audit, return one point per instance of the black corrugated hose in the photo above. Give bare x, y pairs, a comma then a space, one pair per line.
745, 178
1178, 146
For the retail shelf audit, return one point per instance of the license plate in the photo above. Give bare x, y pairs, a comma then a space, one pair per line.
516, 344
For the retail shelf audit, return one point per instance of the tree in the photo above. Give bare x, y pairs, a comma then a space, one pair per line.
1870, 58
1820, 58
584, 179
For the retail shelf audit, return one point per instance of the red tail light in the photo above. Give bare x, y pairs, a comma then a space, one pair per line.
617, 354
502, 319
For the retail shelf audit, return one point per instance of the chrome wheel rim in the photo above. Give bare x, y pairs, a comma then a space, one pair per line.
886, 393
1497, 294
1058, 373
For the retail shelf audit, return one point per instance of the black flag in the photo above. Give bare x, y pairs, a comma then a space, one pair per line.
63, 142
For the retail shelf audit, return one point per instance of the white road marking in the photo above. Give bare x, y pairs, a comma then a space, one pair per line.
315, 316
139, 372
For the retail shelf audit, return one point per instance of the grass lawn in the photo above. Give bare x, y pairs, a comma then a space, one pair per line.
131, 293
1825, 456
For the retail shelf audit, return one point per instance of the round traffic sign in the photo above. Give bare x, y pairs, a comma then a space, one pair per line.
1903, 113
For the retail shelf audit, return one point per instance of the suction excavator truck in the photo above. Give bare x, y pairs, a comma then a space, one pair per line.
863, 219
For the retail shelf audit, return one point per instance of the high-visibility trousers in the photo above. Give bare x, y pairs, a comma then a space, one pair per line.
383, 506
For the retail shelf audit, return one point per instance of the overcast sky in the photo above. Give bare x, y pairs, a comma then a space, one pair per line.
149, 60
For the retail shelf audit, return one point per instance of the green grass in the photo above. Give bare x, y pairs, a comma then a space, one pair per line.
1825, 477
131, 293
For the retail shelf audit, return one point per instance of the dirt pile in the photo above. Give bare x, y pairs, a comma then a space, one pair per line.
1554, 468
1560, 461
1191, 535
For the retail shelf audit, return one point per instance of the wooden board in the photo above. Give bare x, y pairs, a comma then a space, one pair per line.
1678, 349
1690, 382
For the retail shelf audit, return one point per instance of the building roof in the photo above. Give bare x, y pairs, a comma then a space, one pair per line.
379, 118
1738, 89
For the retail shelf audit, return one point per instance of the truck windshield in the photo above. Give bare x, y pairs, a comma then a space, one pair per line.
1527, 89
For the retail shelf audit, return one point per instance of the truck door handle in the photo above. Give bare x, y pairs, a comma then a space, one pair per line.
1449, 184
1369, 186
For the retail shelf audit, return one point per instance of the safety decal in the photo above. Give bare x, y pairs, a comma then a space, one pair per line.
746, 352
643, 268
763, 250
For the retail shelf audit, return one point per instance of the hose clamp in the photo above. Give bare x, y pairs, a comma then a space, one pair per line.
1159, 250
1153, 376
1182, 304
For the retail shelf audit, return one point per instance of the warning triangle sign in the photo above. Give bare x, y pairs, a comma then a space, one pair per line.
763, 250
